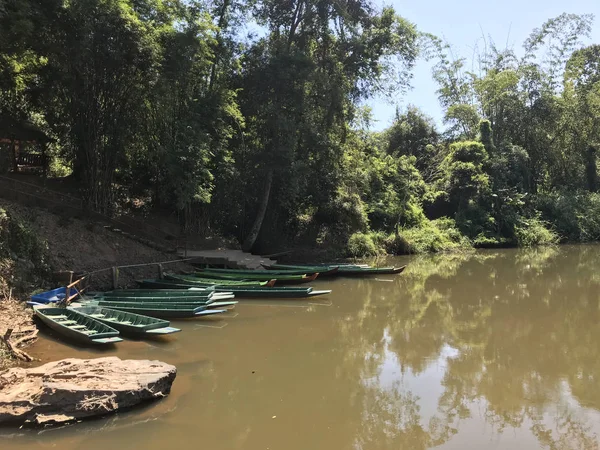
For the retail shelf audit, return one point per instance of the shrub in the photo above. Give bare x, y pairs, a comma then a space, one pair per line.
534, 232
433, 236
574, 216
362, 244
486, 240
345, 211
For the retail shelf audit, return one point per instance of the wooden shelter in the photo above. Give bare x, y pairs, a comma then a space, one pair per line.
25, 143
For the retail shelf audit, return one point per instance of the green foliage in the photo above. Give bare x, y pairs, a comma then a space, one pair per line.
468, 186
463, 120
345, 214
485, 240
486, 136
468, 152
411, 134
362, 244
167, 104
23, 256
394, 187
574, 215
534, 232
510, 169
433, 236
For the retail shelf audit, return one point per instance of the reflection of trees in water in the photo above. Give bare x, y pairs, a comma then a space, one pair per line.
525, 324
391, 420
391, 416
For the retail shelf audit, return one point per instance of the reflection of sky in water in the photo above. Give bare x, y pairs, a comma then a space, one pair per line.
477, 431
426, 386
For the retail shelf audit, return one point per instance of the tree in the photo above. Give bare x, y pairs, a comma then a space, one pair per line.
413, 134
301, 84
102, 64
582, 97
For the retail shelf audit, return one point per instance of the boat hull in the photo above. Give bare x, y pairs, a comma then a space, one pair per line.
238, 291
126, 322
346, 270
75, 326
166, 313
278, 279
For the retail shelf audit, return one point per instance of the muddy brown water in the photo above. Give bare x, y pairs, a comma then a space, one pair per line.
494, 350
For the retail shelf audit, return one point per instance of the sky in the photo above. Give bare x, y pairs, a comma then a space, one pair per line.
462, 23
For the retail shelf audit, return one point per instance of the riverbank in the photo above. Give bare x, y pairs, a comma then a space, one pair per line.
35, 243
15, 316
77, 245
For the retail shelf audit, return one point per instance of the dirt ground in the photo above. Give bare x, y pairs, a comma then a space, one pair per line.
84, 247
79, 246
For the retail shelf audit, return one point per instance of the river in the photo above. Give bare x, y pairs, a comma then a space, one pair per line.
490, 350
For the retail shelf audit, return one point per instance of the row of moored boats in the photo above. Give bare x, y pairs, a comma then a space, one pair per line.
103, 317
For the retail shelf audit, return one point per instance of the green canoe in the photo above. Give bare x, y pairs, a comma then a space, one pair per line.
278, 293
344, 270
178, 305
155, 293
160, 310
149, 301
241, 291
216, 282
322, 271
126, 322
186, 299
76, 326
170, 296
216, 277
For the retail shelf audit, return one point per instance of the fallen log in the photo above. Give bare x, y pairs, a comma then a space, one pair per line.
12, 346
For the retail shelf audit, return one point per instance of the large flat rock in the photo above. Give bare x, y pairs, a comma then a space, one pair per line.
72, 389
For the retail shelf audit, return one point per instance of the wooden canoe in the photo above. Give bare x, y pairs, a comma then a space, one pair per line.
162, 311
360, 271
127, 322
137, 293
178, 283
162, 302
257, 276
169, 300
322, 271
164, 305
345, 270
77, 327
214, 282
240, 291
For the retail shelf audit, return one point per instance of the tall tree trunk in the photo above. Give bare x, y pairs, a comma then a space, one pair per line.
260, 215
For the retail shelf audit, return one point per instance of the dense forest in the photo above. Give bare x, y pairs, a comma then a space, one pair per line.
246, 119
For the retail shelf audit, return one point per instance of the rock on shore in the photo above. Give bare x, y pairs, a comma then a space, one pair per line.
72, 389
